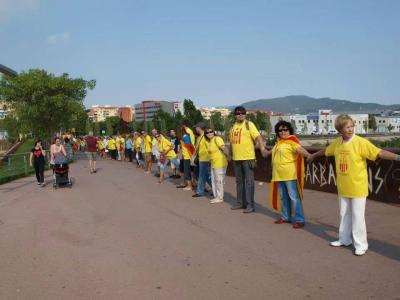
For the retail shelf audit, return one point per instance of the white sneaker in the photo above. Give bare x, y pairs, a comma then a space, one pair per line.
360, 252
338, 244
214, 201
188, 188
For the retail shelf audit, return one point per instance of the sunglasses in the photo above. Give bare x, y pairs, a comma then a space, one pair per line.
207, 132
283, 129
240, 113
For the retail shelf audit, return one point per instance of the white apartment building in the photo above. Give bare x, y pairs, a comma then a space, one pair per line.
321, 123
206, 112
383, 123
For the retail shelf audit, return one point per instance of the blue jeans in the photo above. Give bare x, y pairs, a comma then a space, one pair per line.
204, 176
244, 183
290, 198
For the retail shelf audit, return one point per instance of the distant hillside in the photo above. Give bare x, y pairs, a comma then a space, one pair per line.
304, 105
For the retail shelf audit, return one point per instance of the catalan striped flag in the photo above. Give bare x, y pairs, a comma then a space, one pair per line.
187, 143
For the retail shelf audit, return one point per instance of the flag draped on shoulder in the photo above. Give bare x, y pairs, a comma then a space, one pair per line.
187, 143
275, 201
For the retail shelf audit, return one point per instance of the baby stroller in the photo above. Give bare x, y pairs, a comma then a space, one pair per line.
61, 169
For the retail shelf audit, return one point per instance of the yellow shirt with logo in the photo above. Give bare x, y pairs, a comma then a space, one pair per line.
284, 161
351, 165
185, 152
111, 144
147, 144
241, 140
217, 158
202, 148
164, 145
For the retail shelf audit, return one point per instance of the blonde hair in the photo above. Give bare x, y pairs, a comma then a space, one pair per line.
341, 121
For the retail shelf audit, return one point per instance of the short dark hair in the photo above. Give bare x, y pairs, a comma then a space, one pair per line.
37, 141
283, 123
240, 109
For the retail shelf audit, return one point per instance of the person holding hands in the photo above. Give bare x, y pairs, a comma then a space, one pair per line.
351, 153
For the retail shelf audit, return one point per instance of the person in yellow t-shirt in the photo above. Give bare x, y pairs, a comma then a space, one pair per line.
147, 151
217, 155
287, 175
201, 151
243, 135
121, 148
167, 154
112, 147
351, 152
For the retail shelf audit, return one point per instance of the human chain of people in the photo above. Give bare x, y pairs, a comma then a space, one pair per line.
199, 157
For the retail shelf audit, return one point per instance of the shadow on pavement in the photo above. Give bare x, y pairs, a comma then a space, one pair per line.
323, 231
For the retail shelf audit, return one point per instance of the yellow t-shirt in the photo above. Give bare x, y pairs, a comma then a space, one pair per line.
241, 140
121, 143
284, 160
185, 152
147, 144
138, 143
111, 144
164, 145
351, 165
202, 148
100, 145
217, 158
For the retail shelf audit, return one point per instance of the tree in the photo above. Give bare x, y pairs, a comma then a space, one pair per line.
372, 122
114, 123
390, 128
44, 103
12, 126
191, 115
217, 121
261, 120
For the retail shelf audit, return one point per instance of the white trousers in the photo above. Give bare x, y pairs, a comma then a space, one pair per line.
352, 222
217, 182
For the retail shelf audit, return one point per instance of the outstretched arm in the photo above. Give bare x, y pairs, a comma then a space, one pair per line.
303, 152
388, 155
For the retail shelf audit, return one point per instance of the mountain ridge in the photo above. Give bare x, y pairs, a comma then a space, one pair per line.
301, 104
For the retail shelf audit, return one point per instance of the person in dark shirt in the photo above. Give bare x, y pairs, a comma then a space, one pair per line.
36, 159
91, 151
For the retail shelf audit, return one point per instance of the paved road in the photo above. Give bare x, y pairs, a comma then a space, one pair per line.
118, 235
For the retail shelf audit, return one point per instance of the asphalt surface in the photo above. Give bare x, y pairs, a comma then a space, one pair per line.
117, 234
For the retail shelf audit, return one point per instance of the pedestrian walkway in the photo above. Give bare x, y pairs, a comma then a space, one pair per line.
118, 235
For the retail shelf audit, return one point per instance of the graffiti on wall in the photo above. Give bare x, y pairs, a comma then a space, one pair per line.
383, 178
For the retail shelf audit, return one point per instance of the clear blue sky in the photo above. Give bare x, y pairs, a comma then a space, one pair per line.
215, 52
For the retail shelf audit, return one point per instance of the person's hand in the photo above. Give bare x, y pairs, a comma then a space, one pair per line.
265, 152
310, 158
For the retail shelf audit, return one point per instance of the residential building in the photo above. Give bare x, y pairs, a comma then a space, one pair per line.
99, 113
4, 110
146, 110
384, 123
206, 112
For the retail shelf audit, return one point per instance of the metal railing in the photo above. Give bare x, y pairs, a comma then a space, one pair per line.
13, 166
